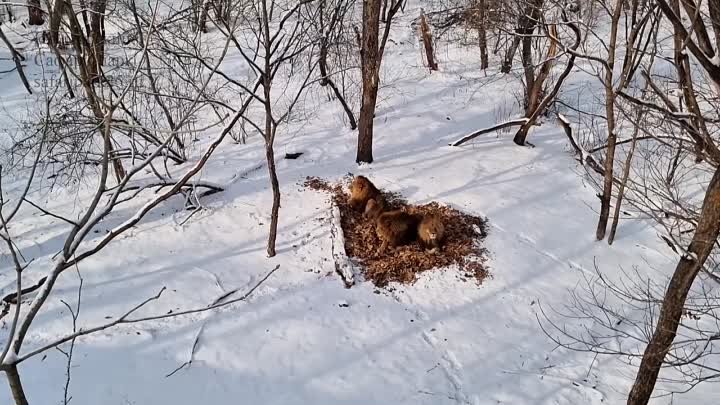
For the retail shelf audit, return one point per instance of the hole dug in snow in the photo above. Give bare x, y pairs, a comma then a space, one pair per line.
462, 249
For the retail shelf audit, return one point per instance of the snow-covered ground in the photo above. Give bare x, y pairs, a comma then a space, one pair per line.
302, 338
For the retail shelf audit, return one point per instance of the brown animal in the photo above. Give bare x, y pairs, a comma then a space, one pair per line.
396, 228
362, 190
374, 208
431, 232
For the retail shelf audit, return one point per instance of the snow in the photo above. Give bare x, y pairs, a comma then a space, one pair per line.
302, 337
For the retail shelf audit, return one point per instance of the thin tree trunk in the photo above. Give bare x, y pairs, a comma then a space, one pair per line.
527, 21
202, 22
370, 61
621, 188
529, 70
325, 79
56, 14
510, 55
275, 213
427, 42
15, 385
682, 65
96, 56
270, 131
482, 35
706, 233
606, 197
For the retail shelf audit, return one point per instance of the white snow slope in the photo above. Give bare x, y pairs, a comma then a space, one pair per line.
304, 339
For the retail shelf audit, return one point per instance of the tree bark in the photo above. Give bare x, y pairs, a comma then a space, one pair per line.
527, 21
621, 188
682, 65
706, 233
56, 14
370, 61
275, 213
427, 42
96, 56
16, 388
522, 133
606, 197
35, 13
482, 35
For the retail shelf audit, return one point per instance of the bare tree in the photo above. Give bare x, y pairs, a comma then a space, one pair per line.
333, 36
283, 41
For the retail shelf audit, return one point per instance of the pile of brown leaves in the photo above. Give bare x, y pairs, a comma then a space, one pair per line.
462, 248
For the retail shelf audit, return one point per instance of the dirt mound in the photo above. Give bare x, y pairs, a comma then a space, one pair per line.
462, 248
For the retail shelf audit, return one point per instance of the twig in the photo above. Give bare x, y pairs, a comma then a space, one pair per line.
75, 314
122, 319
216, 304
50, 214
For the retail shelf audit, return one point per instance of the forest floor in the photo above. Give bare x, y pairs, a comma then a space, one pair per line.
302, 337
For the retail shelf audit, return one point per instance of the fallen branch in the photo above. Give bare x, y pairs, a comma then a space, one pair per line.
519, 121
342, 266
585, 158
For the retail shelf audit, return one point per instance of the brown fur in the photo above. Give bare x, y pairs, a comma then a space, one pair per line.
362, 190
374, 208
396, 228
431, 232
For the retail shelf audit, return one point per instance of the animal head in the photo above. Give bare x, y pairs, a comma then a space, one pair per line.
434, 228
359, 184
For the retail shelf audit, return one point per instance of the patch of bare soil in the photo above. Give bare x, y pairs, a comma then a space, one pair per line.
462, 247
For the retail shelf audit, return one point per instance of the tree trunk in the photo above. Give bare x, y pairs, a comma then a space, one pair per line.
527, 21
55, 20
529, 70
96, 56
365, 125
427, 42
621, 188
15, 385
202, 22
35, 13
706, 233
275, 184
370, 61
510, 55
606, 197
682, 65
482, 35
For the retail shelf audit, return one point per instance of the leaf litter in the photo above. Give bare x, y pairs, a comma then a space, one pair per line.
462, 249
